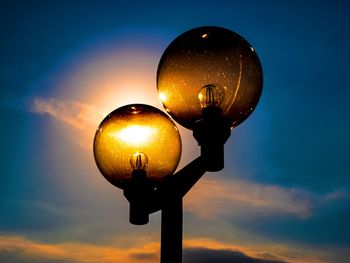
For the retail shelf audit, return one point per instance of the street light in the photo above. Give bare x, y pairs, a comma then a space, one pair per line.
209, 66
209, 80
135, 146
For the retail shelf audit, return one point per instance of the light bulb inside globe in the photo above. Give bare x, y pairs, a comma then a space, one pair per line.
139, 161
211, 95
134, 139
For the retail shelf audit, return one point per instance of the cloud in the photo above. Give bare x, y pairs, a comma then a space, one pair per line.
80, 119
19, 249
73, 113
206, 249
214, 198
339, 194
261, 252
25, 250
200, 255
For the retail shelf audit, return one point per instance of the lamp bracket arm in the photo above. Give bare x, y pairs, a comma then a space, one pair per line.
176, 185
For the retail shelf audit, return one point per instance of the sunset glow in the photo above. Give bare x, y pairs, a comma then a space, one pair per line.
284, 193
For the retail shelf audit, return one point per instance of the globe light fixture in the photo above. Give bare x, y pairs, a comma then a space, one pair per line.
210, 78
134, 137
136, 146
209, 63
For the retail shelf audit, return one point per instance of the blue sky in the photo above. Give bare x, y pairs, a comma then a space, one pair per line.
284, 193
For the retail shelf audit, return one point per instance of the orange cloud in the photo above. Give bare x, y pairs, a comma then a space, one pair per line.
148, 253
267, 251
77, 252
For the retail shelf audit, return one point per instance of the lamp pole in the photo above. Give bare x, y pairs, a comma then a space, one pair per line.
209, 80
171, 193
171, 231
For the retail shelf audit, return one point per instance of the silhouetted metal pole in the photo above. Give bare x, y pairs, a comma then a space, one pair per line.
171, 231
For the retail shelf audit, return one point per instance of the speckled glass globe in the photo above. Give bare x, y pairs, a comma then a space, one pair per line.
136, 137
215, 58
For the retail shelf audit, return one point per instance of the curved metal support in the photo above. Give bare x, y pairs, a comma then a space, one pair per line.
177, 185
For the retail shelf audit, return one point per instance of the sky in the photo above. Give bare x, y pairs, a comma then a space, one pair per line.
284, 195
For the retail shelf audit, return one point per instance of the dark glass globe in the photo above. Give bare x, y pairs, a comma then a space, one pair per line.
209, 66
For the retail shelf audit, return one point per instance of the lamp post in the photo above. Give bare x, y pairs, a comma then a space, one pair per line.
209, 80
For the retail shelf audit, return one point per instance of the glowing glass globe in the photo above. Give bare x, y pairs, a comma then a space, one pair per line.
136, 137
209, 66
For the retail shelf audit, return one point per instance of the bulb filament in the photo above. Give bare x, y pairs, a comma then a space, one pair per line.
210, 99
211, 95
139, 161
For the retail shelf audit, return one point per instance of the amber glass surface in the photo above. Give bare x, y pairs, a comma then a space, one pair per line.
212, 57
136, 137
